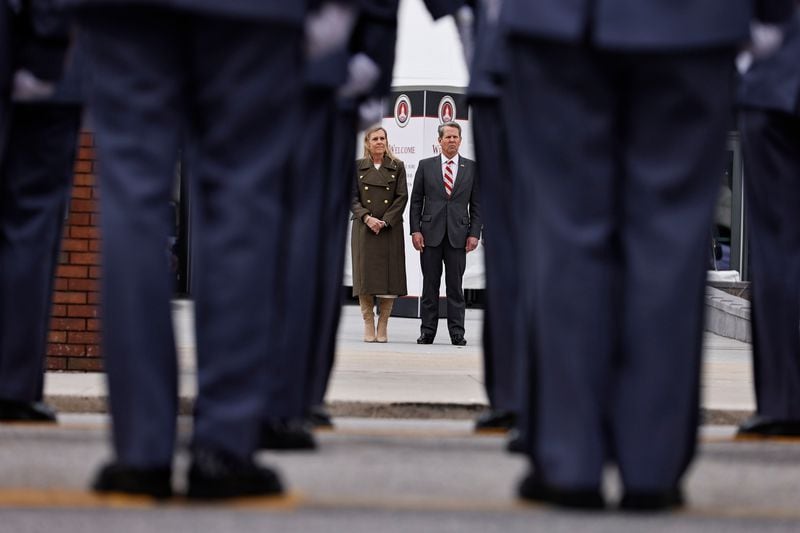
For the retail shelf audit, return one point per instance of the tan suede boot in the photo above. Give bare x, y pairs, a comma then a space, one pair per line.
384, 310
368, 312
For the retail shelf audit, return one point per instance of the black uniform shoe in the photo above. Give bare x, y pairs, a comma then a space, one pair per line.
458, 340
532, 489
652, 501
425, 339
495, 420
516, 442
153, 482
14, 411
287, 435
318, 417
216, 475
758, 426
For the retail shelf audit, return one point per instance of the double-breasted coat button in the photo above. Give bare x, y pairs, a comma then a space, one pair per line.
366, 188
386, 201
387, 188
369, 201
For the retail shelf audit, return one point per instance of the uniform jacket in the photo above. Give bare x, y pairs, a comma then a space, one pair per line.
434, 214
489, 62
642, 24
292, 11
379, 261
774, 82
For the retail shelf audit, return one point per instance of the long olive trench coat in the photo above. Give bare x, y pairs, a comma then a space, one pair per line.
379, 261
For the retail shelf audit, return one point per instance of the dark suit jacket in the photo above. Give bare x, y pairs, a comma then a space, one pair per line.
292, 11
648, 24
774, 83
434, 214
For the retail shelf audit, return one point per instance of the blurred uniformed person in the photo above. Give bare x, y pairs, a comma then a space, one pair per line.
307, 225
224, 80
374, 35
503, 337
616, 113
769, 97
40, 114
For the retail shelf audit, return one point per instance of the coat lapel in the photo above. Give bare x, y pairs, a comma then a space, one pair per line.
461, 175
438, 176
382, 177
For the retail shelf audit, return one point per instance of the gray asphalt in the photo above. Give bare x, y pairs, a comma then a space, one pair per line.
384, 476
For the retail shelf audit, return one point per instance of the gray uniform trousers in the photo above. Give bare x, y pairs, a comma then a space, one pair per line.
228, 88
37, 152
770, 127
619, 155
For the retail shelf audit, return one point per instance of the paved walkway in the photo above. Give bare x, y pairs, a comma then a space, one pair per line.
403, 379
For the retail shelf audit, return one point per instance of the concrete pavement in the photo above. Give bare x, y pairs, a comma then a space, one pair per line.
406, 380
399, 459
386, 475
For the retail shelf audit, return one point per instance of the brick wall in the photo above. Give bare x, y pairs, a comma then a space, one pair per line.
74, 338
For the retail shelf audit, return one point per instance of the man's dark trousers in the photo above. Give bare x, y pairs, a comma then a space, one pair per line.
619, 154
455, 262
228, 88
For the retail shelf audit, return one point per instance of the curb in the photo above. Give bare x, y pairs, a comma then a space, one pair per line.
728, 315
411, 410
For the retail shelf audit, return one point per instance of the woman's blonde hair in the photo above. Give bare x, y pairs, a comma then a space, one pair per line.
369, 132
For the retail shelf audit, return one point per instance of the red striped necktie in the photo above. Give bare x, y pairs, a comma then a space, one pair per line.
448, 177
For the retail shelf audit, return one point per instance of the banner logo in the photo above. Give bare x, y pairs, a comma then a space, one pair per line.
447, 109
402, 110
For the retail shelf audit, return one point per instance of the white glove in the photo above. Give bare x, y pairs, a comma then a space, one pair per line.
765, 40
465, 24
27, 87
370, 112
328, 29
362, 75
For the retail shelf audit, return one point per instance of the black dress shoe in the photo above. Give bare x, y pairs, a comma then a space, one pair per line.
318, 417
14, 411
516, 442
458, 340
532, 489
116, 478
652, 500
759, 426
495, 420
287, 435
425, 339
216, 475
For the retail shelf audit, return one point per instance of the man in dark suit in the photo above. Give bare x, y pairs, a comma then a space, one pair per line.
40, 114
445, 226
224, 80
769, 96
617, 112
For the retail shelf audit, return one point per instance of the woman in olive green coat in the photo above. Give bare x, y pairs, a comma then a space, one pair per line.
378, 238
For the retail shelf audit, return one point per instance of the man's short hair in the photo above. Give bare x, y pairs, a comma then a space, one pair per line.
455, 125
